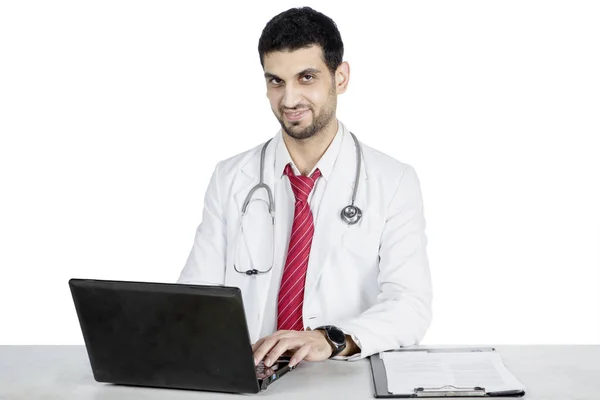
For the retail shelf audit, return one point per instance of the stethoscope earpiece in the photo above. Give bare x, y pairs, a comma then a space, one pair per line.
351, 214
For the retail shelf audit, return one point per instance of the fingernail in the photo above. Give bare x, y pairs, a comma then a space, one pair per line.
268, 362
255, 361
293, 362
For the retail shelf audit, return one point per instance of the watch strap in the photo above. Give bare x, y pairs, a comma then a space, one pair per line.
337, 346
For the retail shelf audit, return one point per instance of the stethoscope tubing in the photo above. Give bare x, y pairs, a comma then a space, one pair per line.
349, 214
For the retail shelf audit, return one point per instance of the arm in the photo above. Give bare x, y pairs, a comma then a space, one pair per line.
402, 314
206, 262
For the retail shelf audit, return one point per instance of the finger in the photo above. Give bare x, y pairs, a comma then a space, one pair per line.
257, 344
282, 346
300, 354
265, 347
259, 353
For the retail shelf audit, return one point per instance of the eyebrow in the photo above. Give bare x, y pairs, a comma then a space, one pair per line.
306, 71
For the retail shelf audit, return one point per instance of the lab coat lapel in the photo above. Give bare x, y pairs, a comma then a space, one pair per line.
257, 286
329, 227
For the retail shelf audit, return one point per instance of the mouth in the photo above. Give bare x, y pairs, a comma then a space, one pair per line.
295, 116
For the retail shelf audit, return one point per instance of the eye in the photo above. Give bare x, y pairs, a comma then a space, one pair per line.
310, 76
274, 79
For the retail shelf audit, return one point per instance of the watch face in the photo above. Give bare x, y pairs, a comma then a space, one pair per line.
337, 336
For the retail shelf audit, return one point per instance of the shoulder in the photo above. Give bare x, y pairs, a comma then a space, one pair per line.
383, 167
395, 181
241, 158
234, 163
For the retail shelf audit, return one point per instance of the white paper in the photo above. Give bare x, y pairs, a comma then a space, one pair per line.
407, 370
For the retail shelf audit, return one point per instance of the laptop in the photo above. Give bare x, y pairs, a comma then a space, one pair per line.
169, 335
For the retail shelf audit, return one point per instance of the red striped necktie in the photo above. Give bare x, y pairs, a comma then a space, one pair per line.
291, 290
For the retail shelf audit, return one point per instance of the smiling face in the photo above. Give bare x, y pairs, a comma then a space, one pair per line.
301, 90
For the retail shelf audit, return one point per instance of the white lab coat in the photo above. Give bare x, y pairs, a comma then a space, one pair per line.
370, 279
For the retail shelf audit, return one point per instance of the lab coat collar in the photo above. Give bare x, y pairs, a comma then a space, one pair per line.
325, 163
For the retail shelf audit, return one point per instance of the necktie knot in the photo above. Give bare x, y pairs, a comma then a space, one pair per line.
301, 185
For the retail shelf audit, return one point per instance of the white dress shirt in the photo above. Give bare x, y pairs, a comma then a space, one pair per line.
286, 200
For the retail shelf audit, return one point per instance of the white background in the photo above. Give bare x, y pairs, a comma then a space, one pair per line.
113, 115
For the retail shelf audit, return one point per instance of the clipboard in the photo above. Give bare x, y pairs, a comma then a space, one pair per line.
380, 382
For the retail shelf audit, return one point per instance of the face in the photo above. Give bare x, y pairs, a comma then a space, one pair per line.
301, 90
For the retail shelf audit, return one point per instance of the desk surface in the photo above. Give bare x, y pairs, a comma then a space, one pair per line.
63, 372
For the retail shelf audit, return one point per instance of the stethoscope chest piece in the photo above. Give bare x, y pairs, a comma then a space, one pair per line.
351, 214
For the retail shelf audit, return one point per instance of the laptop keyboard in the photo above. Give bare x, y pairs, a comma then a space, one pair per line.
262, 371
260, 367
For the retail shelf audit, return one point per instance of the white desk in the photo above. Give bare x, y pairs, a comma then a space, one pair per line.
63, 372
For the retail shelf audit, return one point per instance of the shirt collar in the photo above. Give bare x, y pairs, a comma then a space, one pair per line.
325, 163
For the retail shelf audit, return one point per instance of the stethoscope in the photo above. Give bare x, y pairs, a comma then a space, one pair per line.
350, 214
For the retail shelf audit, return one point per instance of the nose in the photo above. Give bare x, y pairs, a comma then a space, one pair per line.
291, 97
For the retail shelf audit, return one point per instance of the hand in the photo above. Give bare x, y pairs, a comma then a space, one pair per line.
301, 345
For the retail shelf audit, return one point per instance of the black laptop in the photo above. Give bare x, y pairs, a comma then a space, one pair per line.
169, 335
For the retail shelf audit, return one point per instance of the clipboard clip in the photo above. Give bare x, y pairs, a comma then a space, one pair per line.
450, 391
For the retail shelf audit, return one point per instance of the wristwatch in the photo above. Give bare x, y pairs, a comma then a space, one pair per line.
336, 338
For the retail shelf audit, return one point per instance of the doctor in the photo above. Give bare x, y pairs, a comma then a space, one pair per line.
324, 235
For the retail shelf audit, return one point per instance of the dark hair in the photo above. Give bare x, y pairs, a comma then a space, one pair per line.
299, 28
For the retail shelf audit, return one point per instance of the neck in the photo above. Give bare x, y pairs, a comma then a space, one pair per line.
307, 152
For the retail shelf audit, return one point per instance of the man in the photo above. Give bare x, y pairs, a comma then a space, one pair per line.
333, 288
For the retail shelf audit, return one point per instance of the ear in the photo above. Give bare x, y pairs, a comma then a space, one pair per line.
342, 77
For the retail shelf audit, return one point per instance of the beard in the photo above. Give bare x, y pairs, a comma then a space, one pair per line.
319, 122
